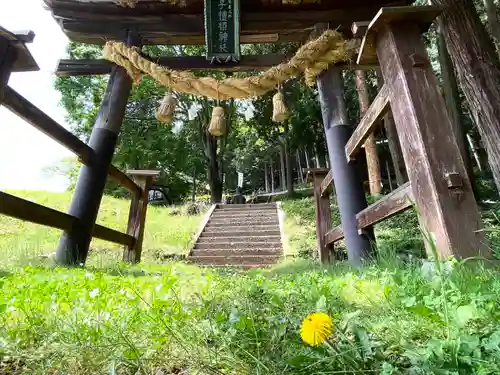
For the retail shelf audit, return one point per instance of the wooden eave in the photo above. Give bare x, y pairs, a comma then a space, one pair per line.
161, 23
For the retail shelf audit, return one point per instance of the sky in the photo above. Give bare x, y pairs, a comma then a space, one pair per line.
24, 151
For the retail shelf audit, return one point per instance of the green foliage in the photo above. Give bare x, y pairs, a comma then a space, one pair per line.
388, 319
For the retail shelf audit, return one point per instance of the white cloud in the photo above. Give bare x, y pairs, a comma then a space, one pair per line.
24, 151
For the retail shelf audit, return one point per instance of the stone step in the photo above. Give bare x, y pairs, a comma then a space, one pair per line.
225, 221
236, 228
236, 266
258, 206
235, 260
243, 215
277, 251
231, 239
237, 245
241, 233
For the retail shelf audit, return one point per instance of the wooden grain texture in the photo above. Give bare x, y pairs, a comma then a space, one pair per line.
112, 235
137, 216
96, 23
310, 172
334, 235
23, 209
477, 67
323, 218
81, 67
7, 58
429, 147
372, 160
422, 15
100, 66
391, 204
41, 121
370, 120
327, 185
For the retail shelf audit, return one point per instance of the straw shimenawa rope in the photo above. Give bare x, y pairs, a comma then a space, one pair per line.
311, 59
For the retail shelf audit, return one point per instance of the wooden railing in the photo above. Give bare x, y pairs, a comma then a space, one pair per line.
25, 210
322, 179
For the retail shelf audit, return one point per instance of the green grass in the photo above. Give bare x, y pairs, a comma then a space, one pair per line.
21, 242
391, 317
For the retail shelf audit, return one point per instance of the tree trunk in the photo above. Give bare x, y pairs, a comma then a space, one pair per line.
372, 161
452, 99
266, 178
214, 179
282, 167
308, 164
300, 176
193, 194
288, 162
272, 177
478, 71
491, 13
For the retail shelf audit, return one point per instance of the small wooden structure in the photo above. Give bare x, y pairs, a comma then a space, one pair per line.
15, 57
438, 183
439, 186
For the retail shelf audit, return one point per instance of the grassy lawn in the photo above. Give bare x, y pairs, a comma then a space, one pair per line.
21, 242
162, 318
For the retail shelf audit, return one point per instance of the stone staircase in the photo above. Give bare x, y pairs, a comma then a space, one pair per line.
239, 235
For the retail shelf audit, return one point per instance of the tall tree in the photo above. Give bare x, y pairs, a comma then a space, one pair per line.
478, 71
372, 160
492, 15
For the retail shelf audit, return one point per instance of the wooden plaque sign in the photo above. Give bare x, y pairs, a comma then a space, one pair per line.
222, 30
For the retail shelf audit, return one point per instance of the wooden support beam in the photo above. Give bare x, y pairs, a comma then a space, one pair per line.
185, 28
334, 235
372, 118
348, 186
8, 56
443, 195
25, 36
24, 61
323, 214
247, 63
391, 204
23, 209
422, 15
73, 247
71, 67
41, 121
112, 235
137, 215
327, 185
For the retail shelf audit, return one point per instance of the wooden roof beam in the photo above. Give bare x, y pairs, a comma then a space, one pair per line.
81, 67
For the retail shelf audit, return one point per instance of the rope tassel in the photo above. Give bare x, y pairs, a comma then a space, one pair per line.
218, 122
280, 111
166, 110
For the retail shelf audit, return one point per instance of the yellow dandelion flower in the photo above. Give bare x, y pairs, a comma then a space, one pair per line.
316, 328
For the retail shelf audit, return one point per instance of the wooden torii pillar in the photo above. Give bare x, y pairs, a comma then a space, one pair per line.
348, 184
443, 195
73, 247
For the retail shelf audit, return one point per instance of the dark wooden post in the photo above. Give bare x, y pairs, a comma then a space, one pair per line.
435, 168
137, 214
348, 186
323, 213
8, 56
74, 246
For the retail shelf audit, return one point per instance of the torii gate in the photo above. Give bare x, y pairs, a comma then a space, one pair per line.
438, 182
